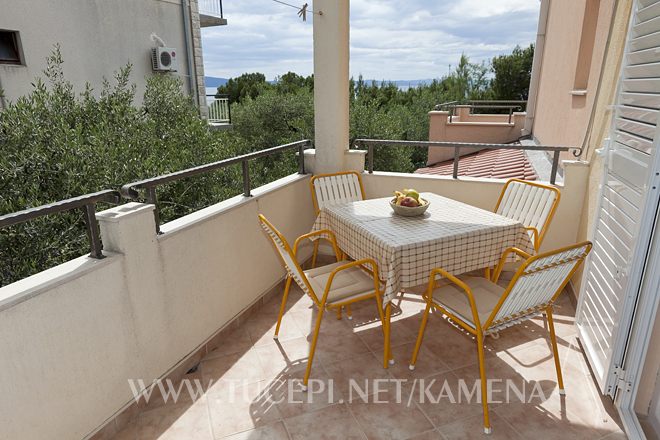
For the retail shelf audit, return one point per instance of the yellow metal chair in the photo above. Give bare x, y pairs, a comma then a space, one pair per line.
332, 189
532, 204
339, 284
482, 307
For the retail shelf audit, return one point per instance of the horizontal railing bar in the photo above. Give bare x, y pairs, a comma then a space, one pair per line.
423, 144
109, 196
216, 95
129, 190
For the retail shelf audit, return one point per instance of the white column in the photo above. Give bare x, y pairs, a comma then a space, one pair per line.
331, 55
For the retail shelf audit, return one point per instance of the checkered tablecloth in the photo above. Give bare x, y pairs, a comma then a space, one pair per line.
451, 235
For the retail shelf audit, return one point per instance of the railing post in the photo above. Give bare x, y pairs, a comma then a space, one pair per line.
246, 178
456, 159
510, 113
370, 158
93, 234
301, 158
555, 166
153, 199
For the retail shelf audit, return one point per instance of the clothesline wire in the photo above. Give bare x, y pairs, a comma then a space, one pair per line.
293, 6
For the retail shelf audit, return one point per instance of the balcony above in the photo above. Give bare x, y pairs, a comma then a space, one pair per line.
210, 13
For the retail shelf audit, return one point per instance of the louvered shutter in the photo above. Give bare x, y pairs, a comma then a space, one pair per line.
622, 230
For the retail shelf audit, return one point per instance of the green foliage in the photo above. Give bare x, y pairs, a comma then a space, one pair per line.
57, 144
512, 73
247, 85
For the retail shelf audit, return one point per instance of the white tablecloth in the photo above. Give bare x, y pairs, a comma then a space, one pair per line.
451, 235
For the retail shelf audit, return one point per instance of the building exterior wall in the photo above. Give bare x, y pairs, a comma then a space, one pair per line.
570, 69
96, 37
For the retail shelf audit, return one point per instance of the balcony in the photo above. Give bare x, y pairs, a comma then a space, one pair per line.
197, 299
210, 13
219, 111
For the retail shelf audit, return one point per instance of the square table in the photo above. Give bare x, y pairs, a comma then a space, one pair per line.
452, 235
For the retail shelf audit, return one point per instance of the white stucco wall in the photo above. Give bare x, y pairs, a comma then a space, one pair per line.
97, 37
70, 337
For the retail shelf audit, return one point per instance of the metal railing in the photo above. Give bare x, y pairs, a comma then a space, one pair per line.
219, 109
86, 202
131, 190
210, 7
510, 105
555, 150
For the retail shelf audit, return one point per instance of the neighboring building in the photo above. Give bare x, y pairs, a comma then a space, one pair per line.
107, 35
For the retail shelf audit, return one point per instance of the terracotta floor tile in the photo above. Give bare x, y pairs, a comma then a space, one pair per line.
358, 372
445, 399
241, 367
281, 356
174, 422
428, 435
372, 335
331, 423
394, 420
235, 341
274, 431
471, 428
428, 362
286, 391
236, 408
261, 329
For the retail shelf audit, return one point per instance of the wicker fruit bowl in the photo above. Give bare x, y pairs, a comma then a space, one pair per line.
408, 203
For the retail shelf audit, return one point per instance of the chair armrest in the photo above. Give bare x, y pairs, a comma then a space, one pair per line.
330, 237
535, 235
466, 289
505, 255
369, 261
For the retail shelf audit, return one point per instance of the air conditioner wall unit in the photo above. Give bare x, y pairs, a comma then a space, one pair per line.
164, 59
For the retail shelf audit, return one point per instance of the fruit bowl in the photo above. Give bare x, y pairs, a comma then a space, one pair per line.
408, 211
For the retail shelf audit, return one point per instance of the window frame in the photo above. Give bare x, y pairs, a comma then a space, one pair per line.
16, 40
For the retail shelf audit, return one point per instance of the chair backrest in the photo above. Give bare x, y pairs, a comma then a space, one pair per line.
532, 204
288, 258
336, 188
537, 283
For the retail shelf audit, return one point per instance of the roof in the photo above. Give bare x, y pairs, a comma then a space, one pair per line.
498, 164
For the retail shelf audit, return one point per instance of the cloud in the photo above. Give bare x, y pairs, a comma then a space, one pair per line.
390, 39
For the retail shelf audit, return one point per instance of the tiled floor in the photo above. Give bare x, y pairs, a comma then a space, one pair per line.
254, 380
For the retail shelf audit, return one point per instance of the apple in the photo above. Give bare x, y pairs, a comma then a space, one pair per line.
409, 202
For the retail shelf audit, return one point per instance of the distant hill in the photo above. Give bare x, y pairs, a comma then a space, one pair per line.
214, 82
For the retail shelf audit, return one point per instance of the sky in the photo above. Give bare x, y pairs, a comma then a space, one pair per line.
392, 40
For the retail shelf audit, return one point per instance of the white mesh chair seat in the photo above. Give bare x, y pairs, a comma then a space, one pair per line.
347, 284
486, 296
336, 188
532, 204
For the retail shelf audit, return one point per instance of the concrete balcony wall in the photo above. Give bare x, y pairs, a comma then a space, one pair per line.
71, 336
484, 193
468, 127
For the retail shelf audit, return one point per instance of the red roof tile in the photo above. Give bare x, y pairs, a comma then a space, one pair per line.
499, 164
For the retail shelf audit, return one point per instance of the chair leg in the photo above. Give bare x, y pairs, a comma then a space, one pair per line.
312, 348
348, 312
555, 352
484, 384
420, 335
487, 273
387, 352
379, 304
315, 252
287, 287
338, 312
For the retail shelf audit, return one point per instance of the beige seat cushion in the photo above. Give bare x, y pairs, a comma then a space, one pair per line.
352, 282
455, 300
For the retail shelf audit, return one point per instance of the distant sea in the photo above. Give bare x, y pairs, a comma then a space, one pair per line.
212, 83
